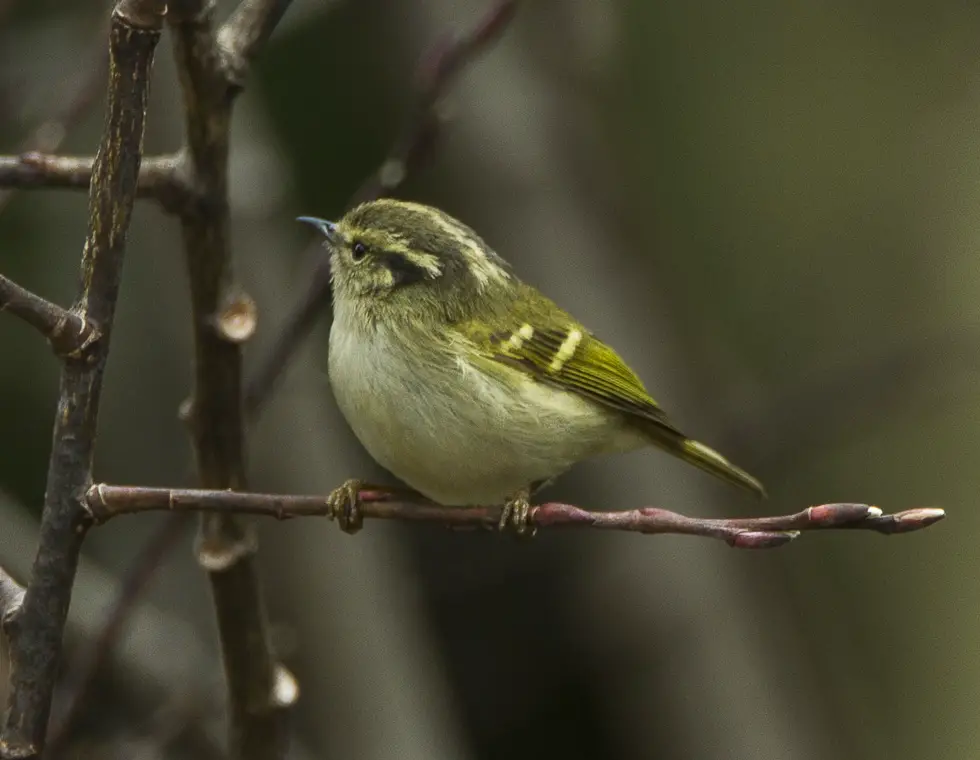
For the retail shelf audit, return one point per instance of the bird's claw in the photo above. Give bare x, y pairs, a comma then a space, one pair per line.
344, 504
515, 516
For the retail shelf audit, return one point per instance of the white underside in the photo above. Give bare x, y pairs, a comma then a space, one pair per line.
451, 431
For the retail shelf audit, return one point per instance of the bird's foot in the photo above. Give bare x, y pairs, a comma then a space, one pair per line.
516, 515
344, 505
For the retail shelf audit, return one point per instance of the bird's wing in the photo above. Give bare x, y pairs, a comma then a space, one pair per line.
568, 357
539, 339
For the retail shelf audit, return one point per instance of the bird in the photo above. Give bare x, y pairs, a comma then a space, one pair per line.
466, 383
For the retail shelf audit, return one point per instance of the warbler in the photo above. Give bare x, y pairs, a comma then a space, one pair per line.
466, 383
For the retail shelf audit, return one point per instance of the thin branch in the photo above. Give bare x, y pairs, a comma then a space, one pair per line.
99, 650
49, 135
36, 629
67, 332
108, 501
436, 71
215, 416
245, 32
240, 40
160, 679
158, 176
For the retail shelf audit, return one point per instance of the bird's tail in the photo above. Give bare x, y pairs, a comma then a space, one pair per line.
703, 457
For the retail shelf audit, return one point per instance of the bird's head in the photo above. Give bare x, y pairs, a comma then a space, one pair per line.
405, 257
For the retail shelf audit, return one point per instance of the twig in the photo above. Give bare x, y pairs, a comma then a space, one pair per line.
108, 501
165, 650
215, 414
158, 178
245, 32
67, 332
100, 649
436, 71
49, 136
36, 629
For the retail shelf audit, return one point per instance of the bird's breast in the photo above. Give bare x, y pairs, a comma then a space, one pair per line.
450, 429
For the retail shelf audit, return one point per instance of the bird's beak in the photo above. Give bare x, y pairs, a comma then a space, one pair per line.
329, 229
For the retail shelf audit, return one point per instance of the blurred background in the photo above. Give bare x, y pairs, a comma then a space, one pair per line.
769, 208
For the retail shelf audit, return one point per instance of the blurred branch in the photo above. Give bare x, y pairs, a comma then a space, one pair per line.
435, 73
108, 501
5, 6
68, 333
244, 33
160, 661
223, 318
100, 649
157, 179
49, 135
36, 628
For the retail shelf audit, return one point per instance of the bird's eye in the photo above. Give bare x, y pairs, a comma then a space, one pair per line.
358, 251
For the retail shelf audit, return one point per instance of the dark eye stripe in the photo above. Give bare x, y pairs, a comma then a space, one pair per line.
403, 270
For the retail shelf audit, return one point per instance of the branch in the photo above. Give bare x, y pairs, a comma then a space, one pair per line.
36, 629
68, 333
435, 73
245, 32
48, 136
158, 178
108, 501
223, 317
160, 657
98, 651
437, 70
